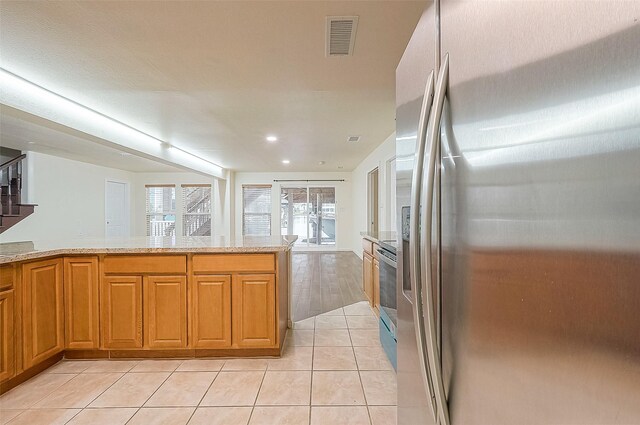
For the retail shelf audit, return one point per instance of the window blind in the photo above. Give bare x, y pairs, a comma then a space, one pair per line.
161, 210
256, 210
196, 210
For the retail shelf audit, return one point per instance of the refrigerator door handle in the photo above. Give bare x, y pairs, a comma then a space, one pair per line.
414, 235
426, 233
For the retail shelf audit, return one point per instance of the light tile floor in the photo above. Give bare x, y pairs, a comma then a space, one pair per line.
332, 372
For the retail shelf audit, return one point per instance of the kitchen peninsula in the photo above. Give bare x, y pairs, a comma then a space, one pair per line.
141, 297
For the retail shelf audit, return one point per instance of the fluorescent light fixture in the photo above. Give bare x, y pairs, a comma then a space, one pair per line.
192, 159
272, 138
24, 95
101, 125
285, 161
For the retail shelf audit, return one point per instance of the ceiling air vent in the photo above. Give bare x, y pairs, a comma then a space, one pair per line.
341, 35
353, 139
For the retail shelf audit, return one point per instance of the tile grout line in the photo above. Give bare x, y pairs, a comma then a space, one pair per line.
30, 406
205, 393
313, 353
313, 370
253, 407
96, 397
152, 394
364, 394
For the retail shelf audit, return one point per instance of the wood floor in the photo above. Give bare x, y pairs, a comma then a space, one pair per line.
325, 281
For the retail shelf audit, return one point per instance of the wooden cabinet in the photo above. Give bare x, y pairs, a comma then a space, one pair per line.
148, 307
376, 284
7, 336
165, 311
367, 275
43, 312
81, 303
254, 310
121, 316
211, 311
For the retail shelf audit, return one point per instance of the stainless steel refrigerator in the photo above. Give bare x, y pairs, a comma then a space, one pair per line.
518, 196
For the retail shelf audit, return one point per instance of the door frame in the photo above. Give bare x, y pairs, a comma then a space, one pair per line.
373, 200
127, 205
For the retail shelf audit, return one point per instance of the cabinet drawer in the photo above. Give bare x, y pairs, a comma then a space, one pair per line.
367, 246
216, 263
156, 264
6, 276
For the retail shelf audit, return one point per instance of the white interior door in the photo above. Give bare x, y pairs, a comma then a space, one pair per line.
116, 209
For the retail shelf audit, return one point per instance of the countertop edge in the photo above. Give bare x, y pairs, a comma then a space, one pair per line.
95, 251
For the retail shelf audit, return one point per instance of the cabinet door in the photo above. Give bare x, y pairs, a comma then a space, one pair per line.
165, 311
43, 313
254, 310
376, 284
7, 336
81, 302
121, 315
211, 309
367, 276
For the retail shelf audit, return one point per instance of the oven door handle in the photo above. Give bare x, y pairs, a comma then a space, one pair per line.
384, 258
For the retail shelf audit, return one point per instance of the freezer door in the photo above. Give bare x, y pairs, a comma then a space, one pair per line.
419, 59
541, 212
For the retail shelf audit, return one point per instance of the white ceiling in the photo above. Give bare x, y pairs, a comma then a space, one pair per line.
214, 78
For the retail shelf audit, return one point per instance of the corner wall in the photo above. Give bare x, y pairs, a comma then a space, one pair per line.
70, 197
380, 158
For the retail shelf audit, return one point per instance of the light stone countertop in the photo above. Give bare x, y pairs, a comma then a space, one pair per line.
383, 236
22, 251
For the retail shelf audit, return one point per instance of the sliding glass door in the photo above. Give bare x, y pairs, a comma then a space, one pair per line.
310, 213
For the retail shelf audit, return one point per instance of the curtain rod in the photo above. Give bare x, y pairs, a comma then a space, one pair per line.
301, 180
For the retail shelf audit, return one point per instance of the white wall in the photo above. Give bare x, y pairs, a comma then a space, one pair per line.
380, 158
139, 206
343, 199
70, 195
70, 198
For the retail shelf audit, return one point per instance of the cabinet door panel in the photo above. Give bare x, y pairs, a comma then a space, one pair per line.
43, 314
122, 312
7, 336
254, 310
376, 284
81, 302
367, 276
212, 311
165, 307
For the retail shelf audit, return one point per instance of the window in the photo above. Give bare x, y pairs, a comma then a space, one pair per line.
196, 210
161, 210
310, 214
256, 210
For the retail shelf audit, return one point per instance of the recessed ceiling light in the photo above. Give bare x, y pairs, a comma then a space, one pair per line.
285, 161
272, 139
321, 163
